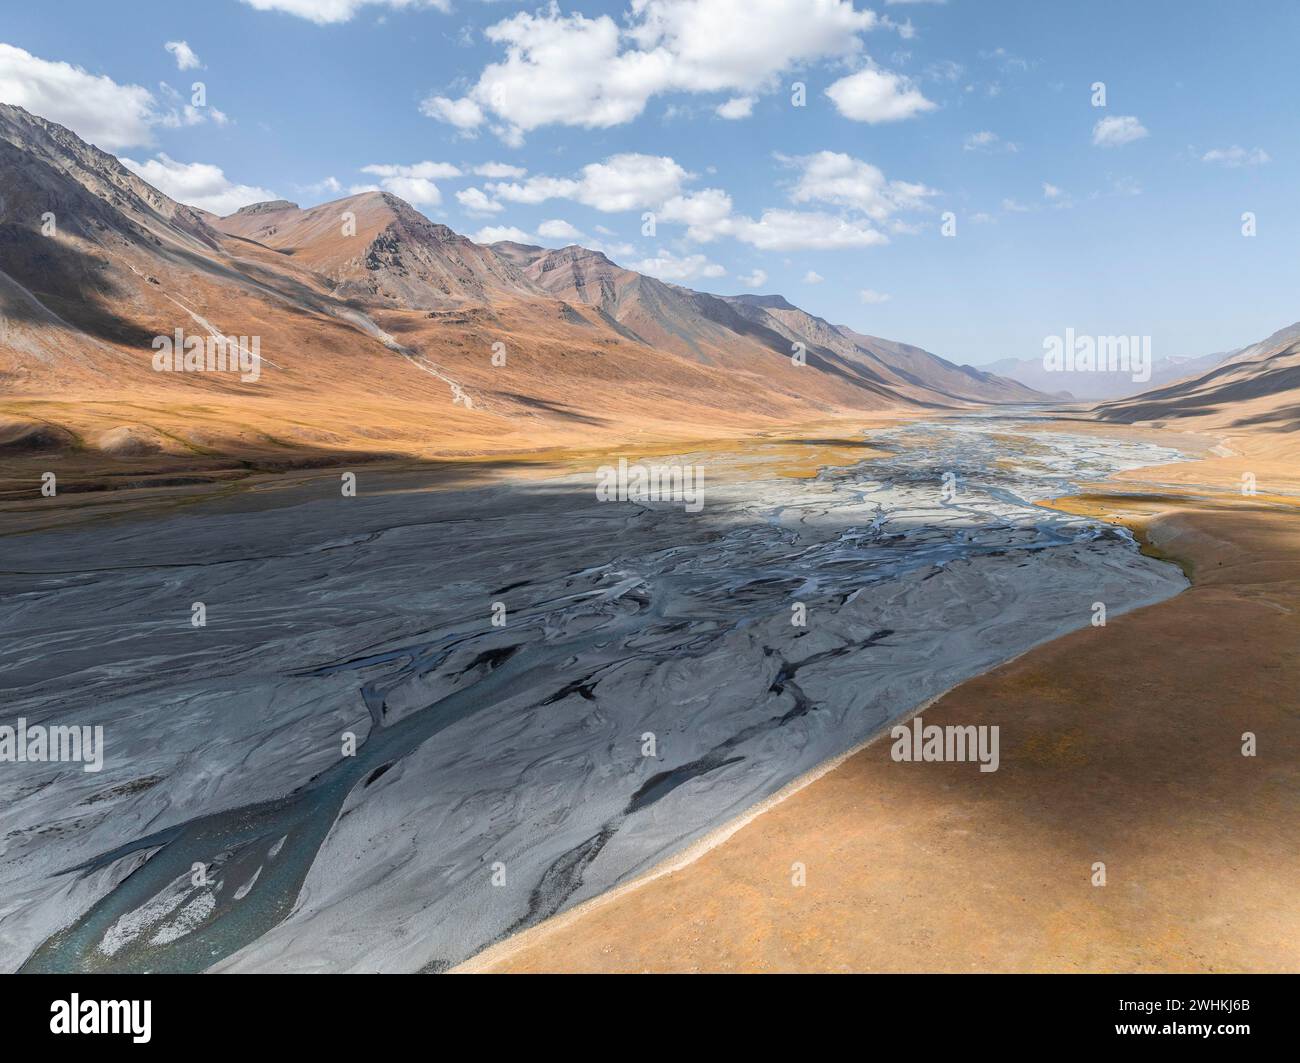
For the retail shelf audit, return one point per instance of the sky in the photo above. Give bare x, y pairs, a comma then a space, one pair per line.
970, 176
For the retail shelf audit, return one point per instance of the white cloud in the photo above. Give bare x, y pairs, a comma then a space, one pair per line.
499, 170
626, 182
873, 298
492, 234
1050, 191
1014, 206
832, 177
740, 45
622, 182
430, 171
536, 189
476, 202
669, 267
826, 177
754, 280
705, 213
737, 107
197, 184
615, 250
590, 72
323, 12
876, 96
94, 107
415, 184
464, 114
793, 230
559, 229
986, 140
1236, 156
1115, 130
182, 115
328, 186
183, 54
415, 190
813, 277
636, 182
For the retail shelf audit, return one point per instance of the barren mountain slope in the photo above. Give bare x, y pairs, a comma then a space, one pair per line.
1257, 388
379, 332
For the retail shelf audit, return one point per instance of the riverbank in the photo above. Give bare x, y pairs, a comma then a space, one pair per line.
659, 671
1121, 746
91, 487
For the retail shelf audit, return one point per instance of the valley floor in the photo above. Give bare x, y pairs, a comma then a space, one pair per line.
1120, 745
522, 747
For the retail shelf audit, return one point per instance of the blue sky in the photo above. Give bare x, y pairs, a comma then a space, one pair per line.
1117, 220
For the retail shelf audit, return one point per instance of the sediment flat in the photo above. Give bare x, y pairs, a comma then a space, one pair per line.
1121, 745
650, 682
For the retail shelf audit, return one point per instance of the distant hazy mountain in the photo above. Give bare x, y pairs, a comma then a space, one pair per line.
1108, 385
1256, 386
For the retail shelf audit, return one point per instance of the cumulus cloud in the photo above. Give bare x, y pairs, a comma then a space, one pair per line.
464, 114
324, 12
873, 298
415, 184
622, 182
813, 277
704, 213
794, 230
708, 216
591, 72
614, 250
559, 229
1236, 156
492, 234
826, 177
737, 107
876, 96
629, 181
841, 180
647, 182
181, 114
669, 267
94, 107
476, 202
499, 170
754, 280
1116, 130
197, 184
183, 54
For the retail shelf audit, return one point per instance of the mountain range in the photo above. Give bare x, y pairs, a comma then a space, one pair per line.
382, 331
1257, 387
1084, 386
